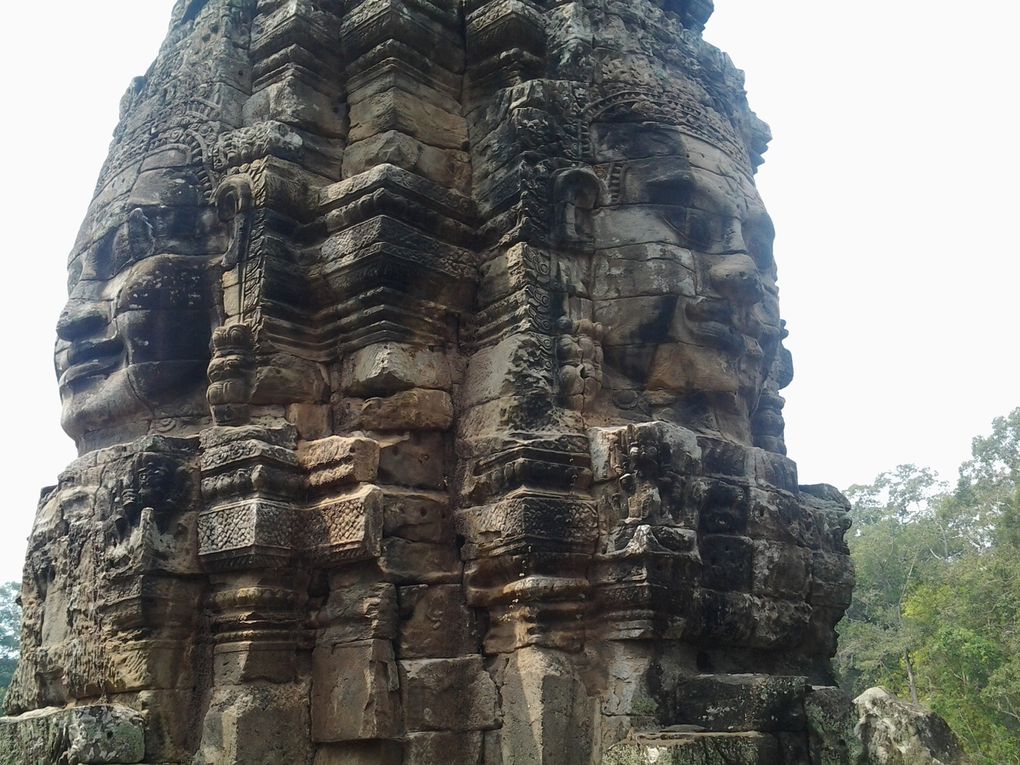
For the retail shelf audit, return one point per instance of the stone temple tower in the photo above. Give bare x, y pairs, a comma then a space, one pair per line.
423, 359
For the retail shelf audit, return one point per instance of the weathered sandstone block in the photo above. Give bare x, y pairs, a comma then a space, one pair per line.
98, 734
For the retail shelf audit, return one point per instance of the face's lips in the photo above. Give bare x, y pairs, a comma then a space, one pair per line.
714, 333
92, 358
712, 323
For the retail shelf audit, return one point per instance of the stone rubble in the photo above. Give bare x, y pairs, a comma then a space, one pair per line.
895, 732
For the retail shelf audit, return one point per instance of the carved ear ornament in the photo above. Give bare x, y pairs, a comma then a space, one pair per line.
233, 200
577, 191
235, 207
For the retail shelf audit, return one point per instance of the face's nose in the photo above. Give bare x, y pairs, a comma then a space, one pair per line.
80, 319
736, 278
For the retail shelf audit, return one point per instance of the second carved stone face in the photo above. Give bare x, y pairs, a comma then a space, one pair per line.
684, 278
133, 339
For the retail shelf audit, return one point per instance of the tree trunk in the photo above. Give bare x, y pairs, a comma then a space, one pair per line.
910, 675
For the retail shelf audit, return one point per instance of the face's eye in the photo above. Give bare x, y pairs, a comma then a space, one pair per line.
701, 229
664, 181
132, 242
120, 248
98, 261
678, 191
698, 230
759, 234
74, 270
166, 282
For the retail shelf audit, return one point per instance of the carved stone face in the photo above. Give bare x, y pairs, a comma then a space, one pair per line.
684, 279
133, 339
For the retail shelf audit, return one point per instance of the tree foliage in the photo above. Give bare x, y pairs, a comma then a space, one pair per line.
10, 632
936, 612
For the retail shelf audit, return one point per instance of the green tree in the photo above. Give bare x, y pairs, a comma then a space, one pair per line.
986, 492
10, 632
902, 493
936, 612
967, 622
895, 542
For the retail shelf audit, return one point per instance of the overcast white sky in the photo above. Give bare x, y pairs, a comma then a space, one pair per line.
892, 179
